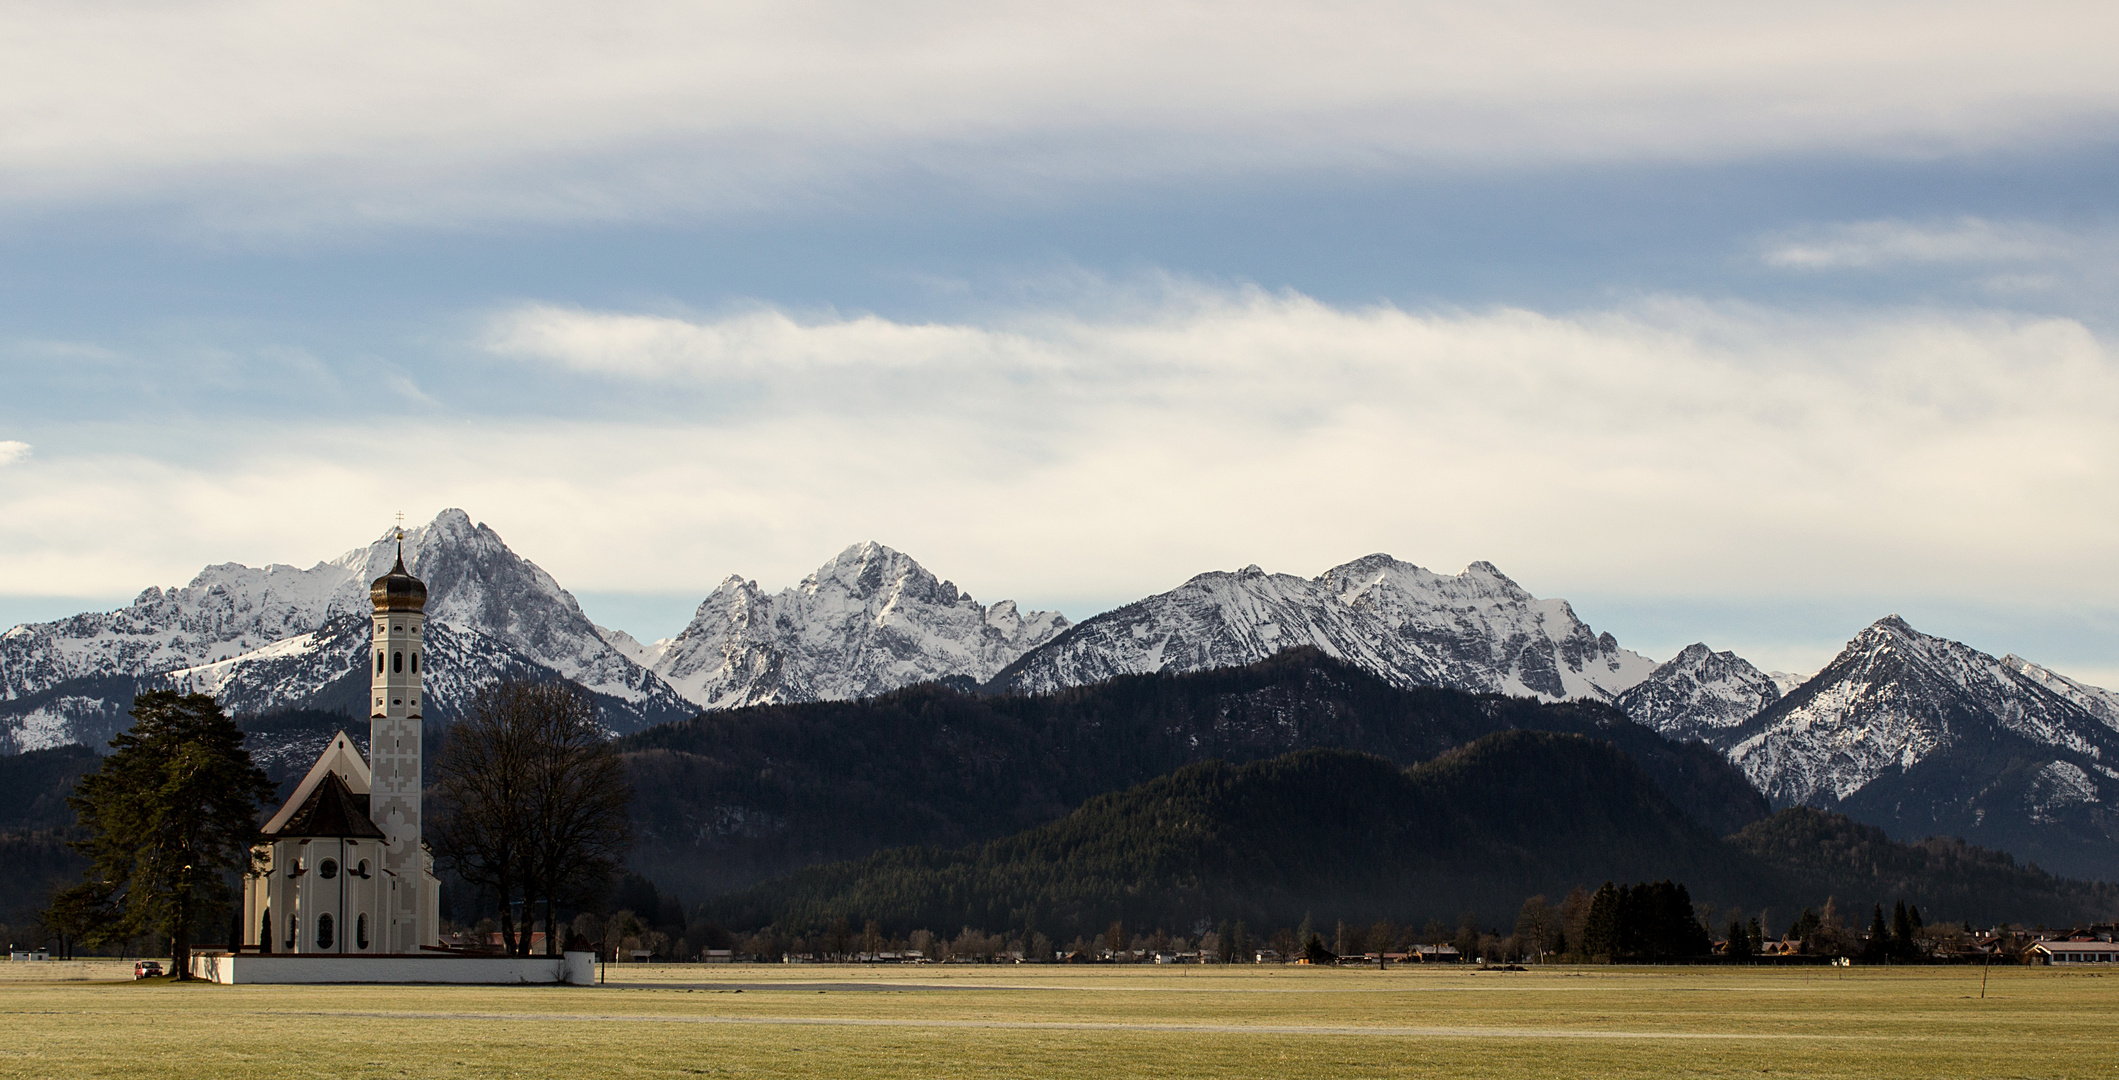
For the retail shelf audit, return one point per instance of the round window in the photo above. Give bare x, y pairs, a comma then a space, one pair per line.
328, 869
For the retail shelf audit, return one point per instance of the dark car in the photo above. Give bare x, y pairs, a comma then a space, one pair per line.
147, 969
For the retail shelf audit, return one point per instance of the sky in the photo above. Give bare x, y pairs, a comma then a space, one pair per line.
1728, 322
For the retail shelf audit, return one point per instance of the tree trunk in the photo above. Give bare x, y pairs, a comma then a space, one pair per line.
180, 937
551, 922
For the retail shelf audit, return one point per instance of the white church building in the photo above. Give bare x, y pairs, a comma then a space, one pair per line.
346, 892
345, 870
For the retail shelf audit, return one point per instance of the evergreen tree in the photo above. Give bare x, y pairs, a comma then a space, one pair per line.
1903, 947
1878, 948
1314, 951
171, 812
1602, 932
1739, 941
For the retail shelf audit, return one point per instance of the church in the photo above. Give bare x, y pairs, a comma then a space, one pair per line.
344, 869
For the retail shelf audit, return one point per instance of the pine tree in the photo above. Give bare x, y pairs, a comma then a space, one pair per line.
170, 813
1903, 947
1739, 941
1601, 933
1314, 951
1878, 948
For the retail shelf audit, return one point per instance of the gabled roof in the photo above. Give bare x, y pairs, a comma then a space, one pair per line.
331, 809
339, 757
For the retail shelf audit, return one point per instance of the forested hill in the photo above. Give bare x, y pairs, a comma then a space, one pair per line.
1827, 854
731, 798
1332, 833
1343, 836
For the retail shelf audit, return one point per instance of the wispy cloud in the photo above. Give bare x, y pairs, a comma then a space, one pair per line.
12, 450
269, 116
1872, 244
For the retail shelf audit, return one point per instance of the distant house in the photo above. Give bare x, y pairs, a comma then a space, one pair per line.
19, 953
1435, 954
2073, 953
717, 956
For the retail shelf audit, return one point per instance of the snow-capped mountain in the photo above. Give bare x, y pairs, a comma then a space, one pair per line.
1475, 631
281, 637
1699, 694
1926, 736
1891, 698
869, 621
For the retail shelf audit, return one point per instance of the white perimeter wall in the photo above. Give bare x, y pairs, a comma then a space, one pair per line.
577, 968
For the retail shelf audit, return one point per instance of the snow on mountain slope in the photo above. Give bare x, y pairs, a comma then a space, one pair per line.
327, 669
1474, 631
631, 648
1891, 699
2097, 701
1700, 693
869, 621
282, 637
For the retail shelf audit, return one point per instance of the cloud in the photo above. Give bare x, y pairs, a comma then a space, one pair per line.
1672, 448
261, 115
1875, 244
12, 451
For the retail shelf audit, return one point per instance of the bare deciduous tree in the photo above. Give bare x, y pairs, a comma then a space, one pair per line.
530, 802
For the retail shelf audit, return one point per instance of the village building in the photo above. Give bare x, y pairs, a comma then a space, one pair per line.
345, 869
2073, 953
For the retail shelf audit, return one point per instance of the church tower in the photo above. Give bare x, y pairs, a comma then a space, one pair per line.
394, 754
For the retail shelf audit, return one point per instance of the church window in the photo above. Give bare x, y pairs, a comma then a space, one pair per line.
294, 930
360, 932
360, 870
327, 869
415, 663
397, 661
324, 940
378, 663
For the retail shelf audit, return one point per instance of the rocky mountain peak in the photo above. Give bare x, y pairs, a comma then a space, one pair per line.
871, 619
1473, 631
1699, 694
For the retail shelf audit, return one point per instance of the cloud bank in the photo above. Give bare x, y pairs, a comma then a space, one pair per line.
1674, 448
262, 115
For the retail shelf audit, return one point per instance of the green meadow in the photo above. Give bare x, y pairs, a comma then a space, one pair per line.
994, 1022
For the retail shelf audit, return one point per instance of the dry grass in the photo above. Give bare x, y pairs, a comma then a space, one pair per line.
992, 1023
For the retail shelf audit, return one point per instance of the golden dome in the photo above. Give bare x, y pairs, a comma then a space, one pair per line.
398, 590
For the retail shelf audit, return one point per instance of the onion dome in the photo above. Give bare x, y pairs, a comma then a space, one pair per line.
398, 590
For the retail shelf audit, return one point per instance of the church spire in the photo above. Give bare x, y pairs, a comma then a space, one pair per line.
395, 754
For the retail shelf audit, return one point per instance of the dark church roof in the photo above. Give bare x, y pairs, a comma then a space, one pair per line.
398, 590
332, 809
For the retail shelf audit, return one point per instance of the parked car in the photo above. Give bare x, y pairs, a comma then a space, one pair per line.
147, 969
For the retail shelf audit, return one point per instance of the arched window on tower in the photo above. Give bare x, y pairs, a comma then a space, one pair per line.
378, 663
360, 932
265, 932
397, 661
415, 663
324, 940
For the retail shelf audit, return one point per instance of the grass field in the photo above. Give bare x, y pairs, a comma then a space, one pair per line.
995, 1022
